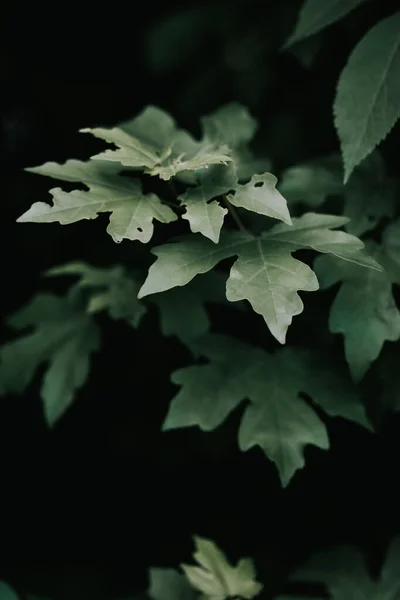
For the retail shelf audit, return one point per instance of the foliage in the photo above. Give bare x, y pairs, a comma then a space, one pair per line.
222, 235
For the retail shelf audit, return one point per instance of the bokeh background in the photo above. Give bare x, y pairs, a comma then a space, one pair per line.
87, 507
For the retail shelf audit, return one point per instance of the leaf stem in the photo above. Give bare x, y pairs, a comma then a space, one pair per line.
234, 214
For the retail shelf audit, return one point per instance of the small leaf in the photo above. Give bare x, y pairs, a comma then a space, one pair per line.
153, 142
261, 196
265, 274
132, 211
216, 578
168, 584
64, 337
231, 124
207, 217
109, 289
367, 103
277, 418
315, 16
313, 182
364, 310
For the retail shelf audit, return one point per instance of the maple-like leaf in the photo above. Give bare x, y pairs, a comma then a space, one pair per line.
216, 578
367, 100
277, 418
364, 309
110, 289
64, 336
152, 141
132, 212
261, 196
168, 584
234, 126
265, 273
345, 575
204, 216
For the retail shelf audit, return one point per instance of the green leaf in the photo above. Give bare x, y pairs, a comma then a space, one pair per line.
265, 274
277, 419
182, 310
64, 337
216, 578
231, 124
369, 195
234, 126
132, 211
312, 182
391, 244
207, 217
344, 573
364, 309
315, 16
168, 584
367, 103
153, 142
110, 289
261, 196
6, 592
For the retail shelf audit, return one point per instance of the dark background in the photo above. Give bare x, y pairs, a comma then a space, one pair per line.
86, 508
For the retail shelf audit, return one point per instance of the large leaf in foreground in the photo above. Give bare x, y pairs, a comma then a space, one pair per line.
343, 571
265, 274
364, 309
216, 578
367, 103
132, 212
153, 142
277, 419
64, 337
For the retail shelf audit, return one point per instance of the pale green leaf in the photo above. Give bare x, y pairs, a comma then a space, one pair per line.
64, 337
110, 289
367, 103
364, 310
153, 142
265, 274
132, 212
277, 418
207, 217
261, 196
344, 573
316, 15
168, 584
216, 578
7, 592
